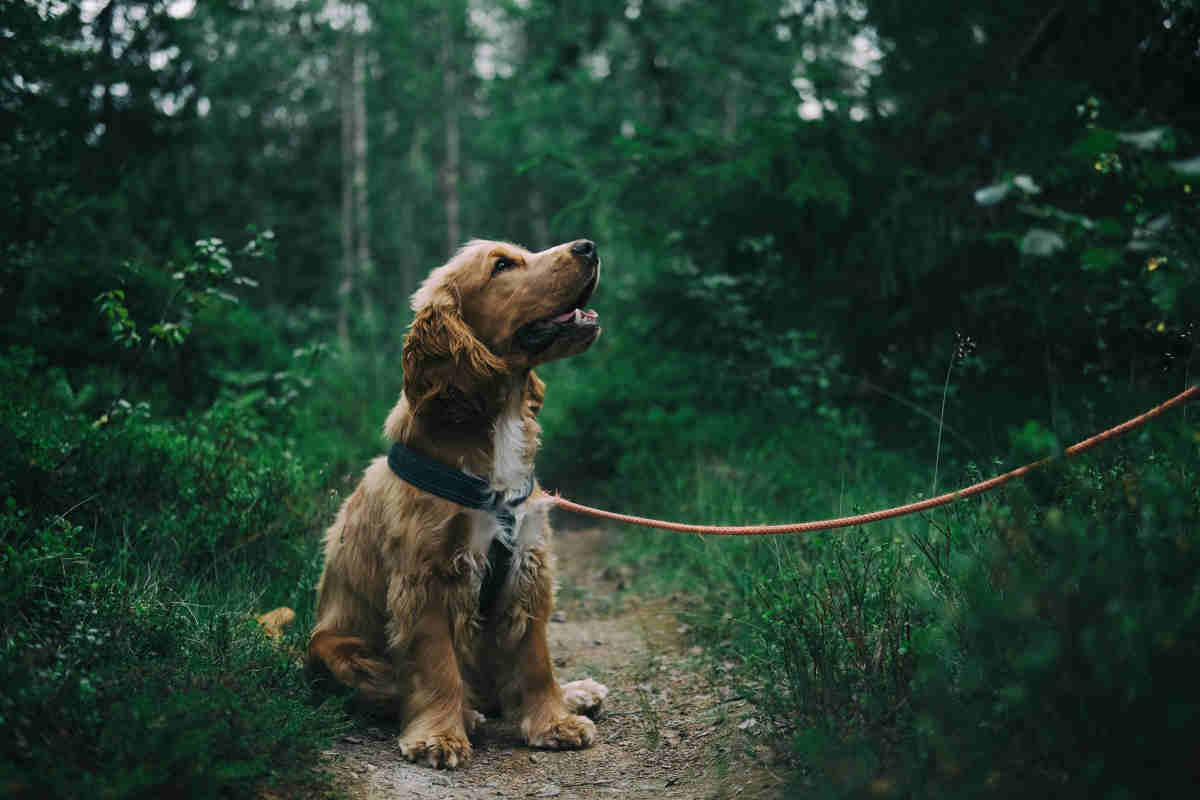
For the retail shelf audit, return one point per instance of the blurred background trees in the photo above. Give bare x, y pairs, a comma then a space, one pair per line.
843, 240
763, 173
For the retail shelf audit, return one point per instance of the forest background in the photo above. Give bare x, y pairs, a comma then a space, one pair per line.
854, 251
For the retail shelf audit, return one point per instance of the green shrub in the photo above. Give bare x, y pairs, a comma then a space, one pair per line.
115, 687
1036, 640
1062, 664
134, 550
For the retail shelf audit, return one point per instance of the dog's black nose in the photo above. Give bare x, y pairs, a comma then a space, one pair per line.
585, 249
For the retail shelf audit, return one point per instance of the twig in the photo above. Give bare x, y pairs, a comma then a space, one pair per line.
937, 457
1035, 39
63, 515
911, 406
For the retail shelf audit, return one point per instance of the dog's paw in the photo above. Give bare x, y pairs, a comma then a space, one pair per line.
564, 733
584, 697
472, 719
441, 751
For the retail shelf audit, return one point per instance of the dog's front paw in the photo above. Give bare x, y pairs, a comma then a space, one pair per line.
563, 733
439, 750
584, 697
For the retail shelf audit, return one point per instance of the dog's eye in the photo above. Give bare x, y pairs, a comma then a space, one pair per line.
502, 264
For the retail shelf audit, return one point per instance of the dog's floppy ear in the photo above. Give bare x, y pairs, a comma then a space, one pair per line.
535, 393
442, 358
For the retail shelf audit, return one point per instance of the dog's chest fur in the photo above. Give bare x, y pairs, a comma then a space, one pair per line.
514, 442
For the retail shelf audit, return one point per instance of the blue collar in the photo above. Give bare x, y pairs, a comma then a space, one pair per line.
456, 486
451, 484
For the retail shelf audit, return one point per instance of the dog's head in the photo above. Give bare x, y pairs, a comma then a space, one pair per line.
497, 309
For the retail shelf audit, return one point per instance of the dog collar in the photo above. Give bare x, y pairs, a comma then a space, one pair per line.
459, 487
467, 490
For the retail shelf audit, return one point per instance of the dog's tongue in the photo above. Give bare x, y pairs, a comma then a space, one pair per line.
575, 315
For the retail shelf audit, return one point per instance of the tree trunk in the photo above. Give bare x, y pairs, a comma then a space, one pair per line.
731, 100
537, 212
362, 210
346, 104
410, 266
356, 211
451, 167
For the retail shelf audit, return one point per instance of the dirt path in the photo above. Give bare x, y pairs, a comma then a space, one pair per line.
666, 730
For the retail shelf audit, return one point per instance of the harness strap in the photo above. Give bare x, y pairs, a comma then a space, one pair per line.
467, 490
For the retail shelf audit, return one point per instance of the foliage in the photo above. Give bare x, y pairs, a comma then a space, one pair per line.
1074, 626
135, 548
805, 211
1037, 640
115, 685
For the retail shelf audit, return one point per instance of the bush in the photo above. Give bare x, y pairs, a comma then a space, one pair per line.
121, 687
133, 551
1075, 630
1038, 640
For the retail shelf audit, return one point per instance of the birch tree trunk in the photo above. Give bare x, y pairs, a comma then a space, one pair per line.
356, 211
362, 209
451, 168
346, 106
537, 211
410, 265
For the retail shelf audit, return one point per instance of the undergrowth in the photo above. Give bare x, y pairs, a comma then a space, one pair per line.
1035, 640
134, 554
143, 524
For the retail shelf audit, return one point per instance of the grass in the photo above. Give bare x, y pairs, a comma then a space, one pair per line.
134, 552
913, 657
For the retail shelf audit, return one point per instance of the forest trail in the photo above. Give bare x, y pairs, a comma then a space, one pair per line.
667, 729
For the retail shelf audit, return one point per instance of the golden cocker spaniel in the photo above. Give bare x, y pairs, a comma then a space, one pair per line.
434, 601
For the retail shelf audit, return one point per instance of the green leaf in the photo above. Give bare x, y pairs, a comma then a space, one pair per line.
1145, 140
1026, 184
1041, 242
1189, 167
990, 195
1097, 141
1100, 259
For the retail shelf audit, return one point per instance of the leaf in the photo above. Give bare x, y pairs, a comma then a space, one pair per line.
1145, 140
1097, 141
990, 195
1051, 212
1025, 184
1100, 259
212, 291
1189, 167
1041, 242
1146, 236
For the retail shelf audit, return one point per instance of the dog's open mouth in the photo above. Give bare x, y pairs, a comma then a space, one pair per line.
573, 319
577, 316
575, 313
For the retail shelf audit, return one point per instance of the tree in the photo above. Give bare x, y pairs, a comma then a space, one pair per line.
356, 228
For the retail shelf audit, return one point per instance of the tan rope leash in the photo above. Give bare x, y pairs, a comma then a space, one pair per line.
875, 516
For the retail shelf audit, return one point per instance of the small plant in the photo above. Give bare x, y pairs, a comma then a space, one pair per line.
206, 279
134, 547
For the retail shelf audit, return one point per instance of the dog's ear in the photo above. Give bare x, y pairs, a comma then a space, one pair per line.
442, 358
535, 393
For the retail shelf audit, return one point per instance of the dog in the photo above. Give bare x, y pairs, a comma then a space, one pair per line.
413, 609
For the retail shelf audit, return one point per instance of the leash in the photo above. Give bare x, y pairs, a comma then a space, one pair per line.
1183, 397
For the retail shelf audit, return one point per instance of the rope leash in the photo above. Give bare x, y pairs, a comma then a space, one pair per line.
875, 516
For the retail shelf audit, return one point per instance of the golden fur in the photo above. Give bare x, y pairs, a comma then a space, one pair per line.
398, 601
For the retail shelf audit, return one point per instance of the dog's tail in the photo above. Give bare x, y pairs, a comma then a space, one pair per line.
351, 661
273, 622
